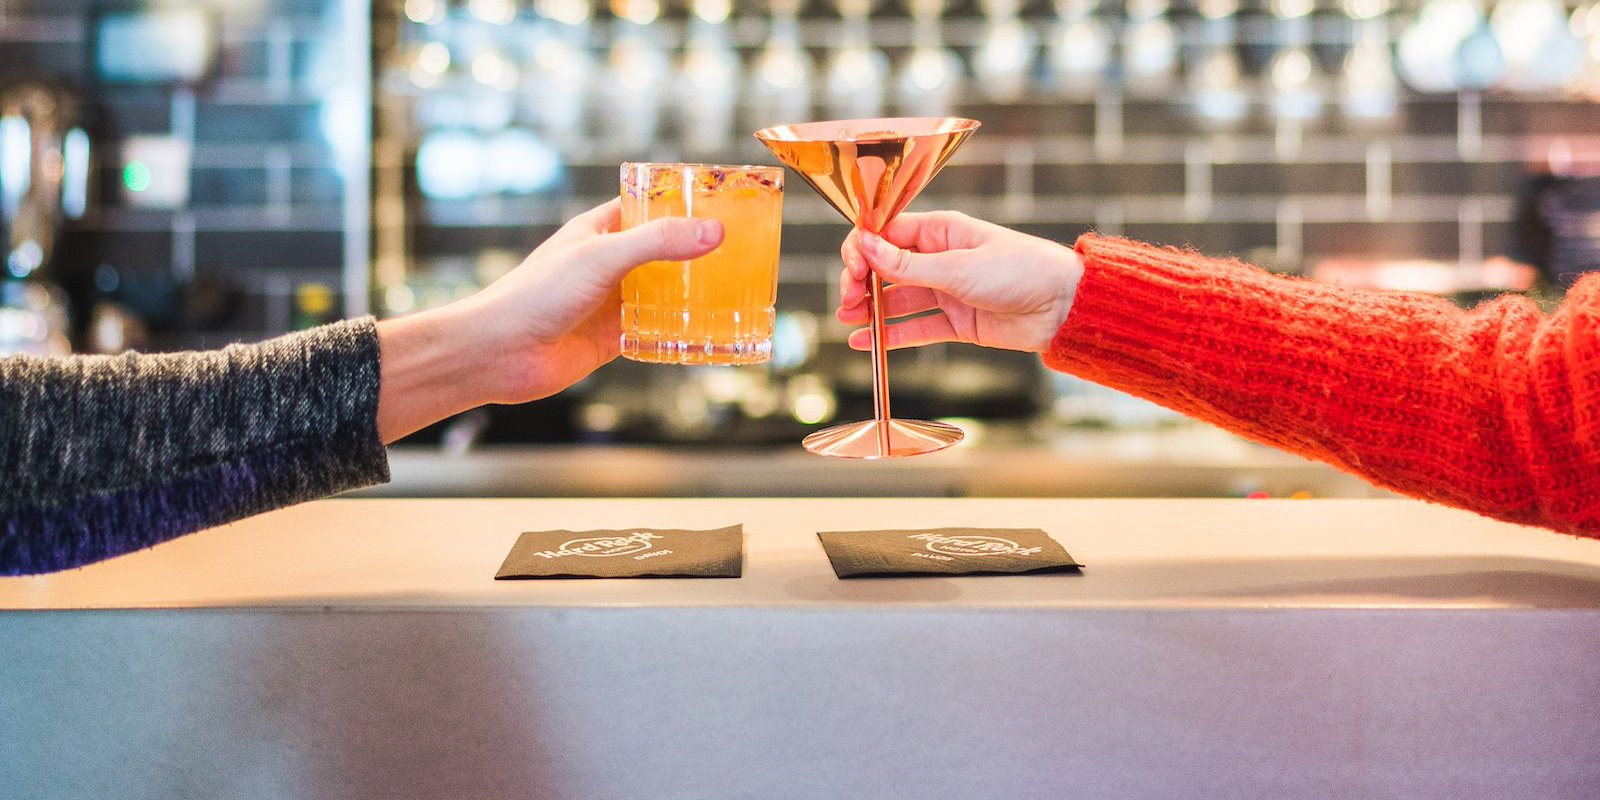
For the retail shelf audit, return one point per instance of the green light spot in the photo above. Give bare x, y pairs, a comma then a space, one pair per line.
136, 176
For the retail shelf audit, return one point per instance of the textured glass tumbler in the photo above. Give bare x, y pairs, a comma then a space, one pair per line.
716, 309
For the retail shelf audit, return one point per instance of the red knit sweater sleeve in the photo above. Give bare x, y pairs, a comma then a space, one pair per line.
1494, 409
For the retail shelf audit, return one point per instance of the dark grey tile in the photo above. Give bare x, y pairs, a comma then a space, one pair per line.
1032, 119
971, 179
240, 250
1159, 117
237, 123
57, 61
83, 248
1103, 180
1282, 179
1506, 117
1428, 115
1503, 239
133, 112
1458, 178
316, 186
1382, 239
1211, 238
246, 60
227, 187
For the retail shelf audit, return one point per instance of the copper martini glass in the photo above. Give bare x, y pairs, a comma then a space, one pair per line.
870, 170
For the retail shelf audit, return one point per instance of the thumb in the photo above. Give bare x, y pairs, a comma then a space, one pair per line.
940, 271
613, 255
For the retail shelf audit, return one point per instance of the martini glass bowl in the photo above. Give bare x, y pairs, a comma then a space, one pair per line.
870, 170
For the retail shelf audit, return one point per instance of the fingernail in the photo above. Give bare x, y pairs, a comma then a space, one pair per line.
710, 231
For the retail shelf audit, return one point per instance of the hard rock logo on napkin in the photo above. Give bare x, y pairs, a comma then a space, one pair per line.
974, 545
944, 551
626, 553
603, 546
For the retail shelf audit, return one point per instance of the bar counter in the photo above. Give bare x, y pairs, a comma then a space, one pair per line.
1210, 648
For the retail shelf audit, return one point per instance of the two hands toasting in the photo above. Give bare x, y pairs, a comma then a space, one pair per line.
1494, 409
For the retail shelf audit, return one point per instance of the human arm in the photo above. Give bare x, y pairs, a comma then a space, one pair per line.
103, 455
1494, 409
541, 328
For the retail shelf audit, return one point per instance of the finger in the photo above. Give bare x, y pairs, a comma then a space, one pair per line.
614, 255
935, 231
850, 292
852, 283
917, 332
850, 251
898, 301
603, 218
945, 271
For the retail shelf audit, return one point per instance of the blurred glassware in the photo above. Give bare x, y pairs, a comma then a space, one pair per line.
448, 165
426, 12
1368, 89
454, 164
638, 12
428, 64
1480, 61
1585, 25
1149, 46
473, 90
561, 71
1296, 84
1216, 85
1541, 51
930, 79
1429, 51
1080, 47
1003, 63
634, 86
795, 339
810, 399
780, 89
33, 319
566, 12
857, 72
470, 106
708, 85
44, 174
113, 329
494, 12
518, 161
491, 68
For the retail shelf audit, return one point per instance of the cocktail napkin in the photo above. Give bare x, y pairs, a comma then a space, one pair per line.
945, 551
627, 553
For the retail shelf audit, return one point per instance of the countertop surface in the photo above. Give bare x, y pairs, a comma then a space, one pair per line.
1187, 461
353, 554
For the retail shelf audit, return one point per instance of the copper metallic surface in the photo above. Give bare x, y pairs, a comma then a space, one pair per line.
870, 170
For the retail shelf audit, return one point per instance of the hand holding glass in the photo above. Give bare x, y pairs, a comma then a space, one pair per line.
719, 308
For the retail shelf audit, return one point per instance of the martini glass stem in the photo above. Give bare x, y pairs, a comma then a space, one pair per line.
880, 363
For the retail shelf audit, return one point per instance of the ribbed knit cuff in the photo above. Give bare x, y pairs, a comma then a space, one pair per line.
1197, 334
1139, 307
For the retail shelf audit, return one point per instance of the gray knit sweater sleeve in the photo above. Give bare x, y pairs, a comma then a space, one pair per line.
102, 455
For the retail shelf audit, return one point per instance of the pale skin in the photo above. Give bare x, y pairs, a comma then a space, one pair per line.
541, 328
990, 286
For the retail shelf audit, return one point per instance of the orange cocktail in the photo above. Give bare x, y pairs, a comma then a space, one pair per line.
716, 309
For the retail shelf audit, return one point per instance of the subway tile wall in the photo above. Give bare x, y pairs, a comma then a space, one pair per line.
275, 128
271, 194
1443, 178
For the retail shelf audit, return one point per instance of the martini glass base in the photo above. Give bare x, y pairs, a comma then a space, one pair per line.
907, 437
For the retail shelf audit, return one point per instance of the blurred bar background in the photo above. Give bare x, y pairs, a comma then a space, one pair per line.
265, 165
